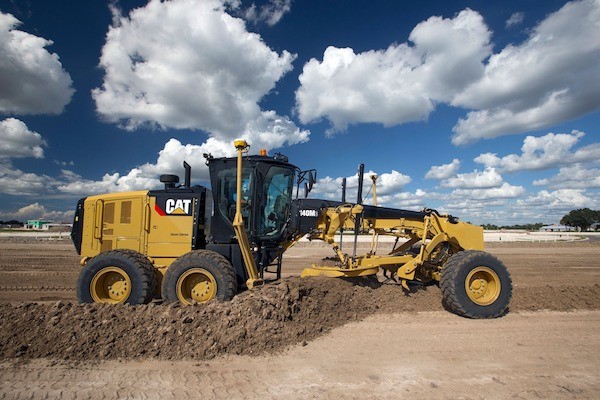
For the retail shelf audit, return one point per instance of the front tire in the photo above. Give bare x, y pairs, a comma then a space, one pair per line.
198, 277
475, 284
117, 277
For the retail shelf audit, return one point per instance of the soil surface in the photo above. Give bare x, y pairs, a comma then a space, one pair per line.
302, 338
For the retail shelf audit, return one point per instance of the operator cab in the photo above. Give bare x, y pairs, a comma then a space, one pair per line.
267, 189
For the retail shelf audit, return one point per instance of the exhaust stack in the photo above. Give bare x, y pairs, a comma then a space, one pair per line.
188, 175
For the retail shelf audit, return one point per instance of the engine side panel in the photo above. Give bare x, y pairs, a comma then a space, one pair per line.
113, 221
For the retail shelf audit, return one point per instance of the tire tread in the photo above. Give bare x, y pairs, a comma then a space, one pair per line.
198, 258
141, 264
450, 284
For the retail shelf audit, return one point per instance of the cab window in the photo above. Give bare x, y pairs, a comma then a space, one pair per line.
278, 186
227, 193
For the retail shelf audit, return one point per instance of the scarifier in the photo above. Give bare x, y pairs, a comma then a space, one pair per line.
190, 244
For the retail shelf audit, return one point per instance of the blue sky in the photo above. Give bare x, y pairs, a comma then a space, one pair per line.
486, 110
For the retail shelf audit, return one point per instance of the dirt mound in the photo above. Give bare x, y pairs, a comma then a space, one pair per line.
269, 318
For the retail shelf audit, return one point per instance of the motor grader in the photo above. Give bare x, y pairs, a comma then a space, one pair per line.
191, 244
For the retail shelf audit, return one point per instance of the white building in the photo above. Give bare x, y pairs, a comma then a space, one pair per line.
557, 228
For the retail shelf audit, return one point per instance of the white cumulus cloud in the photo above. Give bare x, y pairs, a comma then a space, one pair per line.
551, 77
37, 211
399, 84
32, 80
562, 199
15, 182
213, 79
443, 171
477, 179
388, 185
191, 65
572, 177
506, 190
170, 161
417, 200
134, 180
16, 140
548, 151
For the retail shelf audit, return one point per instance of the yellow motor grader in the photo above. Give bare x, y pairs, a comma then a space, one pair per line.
191, 244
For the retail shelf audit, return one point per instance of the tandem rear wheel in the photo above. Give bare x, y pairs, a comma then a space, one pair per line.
198, 277
475, 284
116, 277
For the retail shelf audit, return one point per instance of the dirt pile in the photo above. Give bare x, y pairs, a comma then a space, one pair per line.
269, 318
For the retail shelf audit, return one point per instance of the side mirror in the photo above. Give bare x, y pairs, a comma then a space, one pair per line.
311, 181
309, 178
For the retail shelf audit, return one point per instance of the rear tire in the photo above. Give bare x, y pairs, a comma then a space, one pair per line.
117, 277
198, 277
475, 284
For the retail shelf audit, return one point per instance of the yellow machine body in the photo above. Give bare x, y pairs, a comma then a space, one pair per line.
130, 220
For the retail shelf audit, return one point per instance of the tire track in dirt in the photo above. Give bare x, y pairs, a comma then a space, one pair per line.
56, 382
40, 280
37, 288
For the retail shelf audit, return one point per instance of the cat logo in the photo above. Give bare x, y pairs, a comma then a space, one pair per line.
178, 206
165, 205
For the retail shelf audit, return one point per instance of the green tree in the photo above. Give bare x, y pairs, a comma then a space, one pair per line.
582, 218
489, 227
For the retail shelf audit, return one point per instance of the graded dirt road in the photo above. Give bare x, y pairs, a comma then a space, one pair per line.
315, 340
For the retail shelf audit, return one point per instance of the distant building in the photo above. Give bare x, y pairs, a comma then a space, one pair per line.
557, 228
37, 224
58, 227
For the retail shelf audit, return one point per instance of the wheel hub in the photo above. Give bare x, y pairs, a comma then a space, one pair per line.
110, 285
483, 285
196, 285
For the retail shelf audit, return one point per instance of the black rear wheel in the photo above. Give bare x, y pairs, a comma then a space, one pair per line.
199, 276
475, 284
115, 277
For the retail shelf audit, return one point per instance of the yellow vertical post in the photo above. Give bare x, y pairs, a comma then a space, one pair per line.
238, 221
374, 179
375, 238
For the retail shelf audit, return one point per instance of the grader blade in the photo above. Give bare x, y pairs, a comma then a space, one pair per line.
337, 272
